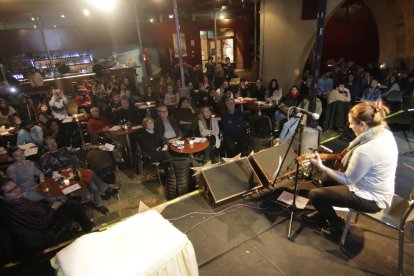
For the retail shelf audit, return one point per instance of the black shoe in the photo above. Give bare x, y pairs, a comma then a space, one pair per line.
111, 192
334, 231
102, 209
314, 219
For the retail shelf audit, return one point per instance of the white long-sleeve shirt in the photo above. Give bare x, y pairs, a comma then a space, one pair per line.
371, 170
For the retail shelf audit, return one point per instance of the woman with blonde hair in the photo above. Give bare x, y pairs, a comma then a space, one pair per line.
209, 128
368, 180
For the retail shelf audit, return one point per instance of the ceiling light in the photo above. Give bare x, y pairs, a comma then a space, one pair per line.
33, 19
104, 5
171, 16
54, 26
86, 12
152, 20
35, 26
62, 15
221, 17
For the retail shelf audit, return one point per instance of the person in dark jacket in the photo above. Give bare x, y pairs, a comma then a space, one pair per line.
151, 142
167, 127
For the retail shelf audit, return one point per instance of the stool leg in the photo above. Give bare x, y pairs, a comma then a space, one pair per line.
345, 231
401, 251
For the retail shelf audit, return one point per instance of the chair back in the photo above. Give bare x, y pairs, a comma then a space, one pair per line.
260, 126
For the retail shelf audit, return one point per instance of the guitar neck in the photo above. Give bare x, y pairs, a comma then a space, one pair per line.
323, 156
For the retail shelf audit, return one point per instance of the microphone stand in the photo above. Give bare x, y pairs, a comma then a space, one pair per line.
293, 206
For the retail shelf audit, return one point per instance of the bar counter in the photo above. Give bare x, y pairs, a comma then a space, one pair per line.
65, 81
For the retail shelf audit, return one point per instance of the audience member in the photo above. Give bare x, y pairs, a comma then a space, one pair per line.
8, 115
210, 67
97, 124
171, 98
185, 117
43, 115
57, 104
243, 89
235, 139
54, 130
167, 127
274, 91
259, 91
209, 128
293, 98
152, 143
324, 84
20, 212
373, 93
30, 133
58, 159
127, 114
353, 87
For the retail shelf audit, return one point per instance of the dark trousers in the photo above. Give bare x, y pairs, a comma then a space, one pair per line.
235, 143
323, 199
68, 212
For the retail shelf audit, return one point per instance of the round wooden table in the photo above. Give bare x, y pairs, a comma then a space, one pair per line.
50, 186
243, 101
190, 149
258, 106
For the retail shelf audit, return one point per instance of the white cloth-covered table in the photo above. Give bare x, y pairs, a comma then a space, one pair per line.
145, 244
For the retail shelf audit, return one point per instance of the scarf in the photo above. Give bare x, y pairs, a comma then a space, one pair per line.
363, 138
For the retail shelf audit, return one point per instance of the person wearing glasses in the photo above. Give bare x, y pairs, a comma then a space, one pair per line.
19, 212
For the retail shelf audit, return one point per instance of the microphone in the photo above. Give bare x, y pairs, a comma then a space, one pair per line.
315, 116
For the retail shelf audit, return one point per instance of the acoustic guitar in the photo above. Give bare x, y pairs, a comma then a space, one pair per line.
337, 157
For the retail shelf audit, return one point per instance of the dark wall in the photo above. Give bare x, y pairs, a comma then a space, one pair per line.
352, 34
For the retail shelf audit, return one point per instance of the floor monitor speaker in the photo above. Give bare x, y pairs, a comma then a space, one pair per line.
229, 181
266, 163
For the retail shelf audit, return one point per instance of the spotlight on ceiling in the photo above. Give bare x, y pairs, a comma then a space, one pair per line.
152, 20
86, 12
221, 17
54, 26
33, 19
35, 26
170, 16
62, 16
104, 5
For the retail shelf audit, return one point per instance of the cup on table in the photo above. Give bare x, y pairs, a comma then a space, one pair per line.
191, 142
66, 182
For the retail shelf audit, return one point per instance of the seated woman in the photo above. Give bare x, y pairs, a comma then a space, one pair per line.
56, 131
57, 104
171, 98
151, 143
185, 117
274, 91
8, 115
150, 95
368, 180
209, 128
293, 98
43, 115
25, 172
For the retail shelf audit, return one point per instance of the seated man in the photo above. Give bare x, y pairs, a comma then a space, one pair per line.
373, 93
167, 127
339, 103
30, 133
127, 114
57, 159
24, 172
185, 115
97, 124
22, 213
235, 139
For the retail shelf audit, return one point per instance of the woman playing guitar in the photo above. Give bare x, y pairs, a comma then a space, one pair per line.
368, 177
